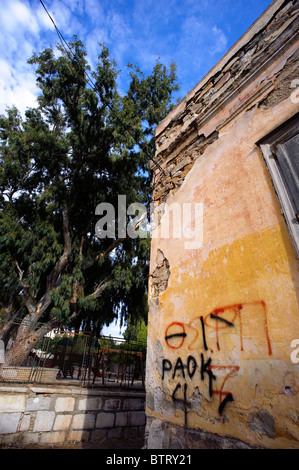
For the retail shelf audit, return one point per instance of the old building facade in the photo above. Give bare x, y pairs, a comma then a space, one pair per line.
222, 365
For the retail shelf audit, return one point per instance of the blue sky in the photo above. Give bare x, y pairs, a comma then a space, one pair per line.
195, 34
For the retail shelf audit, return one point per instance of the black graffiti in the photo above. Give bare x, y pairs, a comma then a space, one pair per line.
224, 320
179, 366
187, 370
166, 367
182, 400
190, 367
227, 399
176, 335
203, 333
205, 369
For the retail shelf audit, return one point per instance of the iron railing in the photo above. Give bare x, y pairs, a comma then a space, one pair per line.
81, 358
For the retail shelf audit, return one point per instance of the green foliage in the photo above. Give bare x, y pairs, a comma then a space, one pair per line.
136, 330
83, 145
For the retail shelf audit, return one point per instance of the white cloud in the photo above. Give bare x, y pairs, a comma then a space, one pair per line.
43, 19
17, 87
95, 11
199, 46
135, 31
20, 36
220, 43
62, 15
15, 14
114, 329
98, 35
199, 38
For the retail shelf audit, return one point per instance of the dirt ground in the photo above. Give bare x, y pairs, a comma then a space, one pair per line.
122, 444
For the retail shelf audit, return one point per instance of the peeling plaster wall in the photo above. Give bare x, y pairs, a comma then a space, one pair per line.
223, 316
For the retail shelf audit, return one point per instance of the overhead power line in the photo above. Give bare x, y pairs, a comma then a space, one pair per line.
68, 50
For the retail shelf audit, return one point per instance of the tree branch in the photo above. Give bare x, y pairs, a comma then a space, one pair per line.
63, 260
81, 250
112, 246
100, 289
66, 235
20, 272
42, 305
25, 288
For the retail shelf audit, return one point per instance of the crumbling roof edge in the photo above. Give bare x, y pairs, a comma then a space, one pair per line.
258, 25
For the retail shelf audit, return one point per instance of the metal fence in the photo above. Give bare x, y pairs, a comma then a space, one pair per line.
82, 358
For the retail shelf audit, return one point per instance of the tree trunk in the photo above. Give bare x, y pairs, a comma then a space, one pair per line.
27, 338
6, 327
6, 331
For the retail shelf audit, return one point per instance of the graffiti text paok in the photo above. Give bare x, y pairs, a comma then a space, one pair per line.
205, 370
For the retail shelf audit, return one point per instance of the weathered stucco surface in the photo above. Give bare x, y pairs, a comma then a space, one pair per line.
223, 316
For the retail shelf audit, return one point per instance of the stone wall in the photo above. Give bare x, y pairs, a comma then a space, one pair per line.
223, 314
62, 415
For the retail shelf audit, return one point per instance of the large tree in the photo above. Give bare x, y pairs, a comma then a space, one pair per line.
84, 144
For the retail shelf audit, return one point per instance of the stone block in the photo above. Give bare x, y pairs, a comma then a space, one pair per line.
29, 438
38, 403
105, 420
83, 421
62, 422
25, 423
88, 404
44, 421
78, 436
136, 418
9, 422
130, 432
115, 433
10, 439
64, 404
98, 435
157, 435
121, 419
53, 437
141, 431
135, 404
112, 404
11, 403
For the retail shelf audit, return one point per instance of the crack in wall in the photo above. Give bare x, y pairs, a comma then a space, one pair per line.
161, 274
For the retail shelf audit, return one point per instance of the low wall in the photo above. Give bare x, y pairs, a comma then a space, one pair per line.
52, 415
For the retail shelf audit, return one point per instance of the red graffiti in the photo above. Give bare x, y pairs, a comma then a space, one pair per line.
235, 313
232, 371
219, 319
